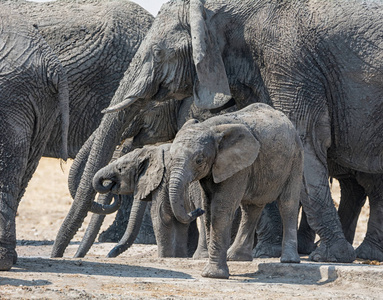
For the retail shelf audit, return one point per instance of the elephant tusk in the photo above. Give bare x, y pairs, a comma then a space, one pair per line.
119, 106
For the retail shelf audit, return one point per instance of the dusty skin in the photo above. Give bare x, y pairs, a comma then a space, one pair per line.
139, 274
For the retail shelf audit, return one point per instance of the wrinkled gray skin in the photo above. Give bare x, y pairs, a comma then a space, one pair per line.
33, 94
145, 173
95, 41
237, 158
354, 187
159, 124
317, 62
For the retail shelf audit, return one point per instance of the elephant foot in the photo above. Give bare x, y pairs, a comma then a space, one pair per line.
7, 258
339, 251
267, 250
216, 271
290, 256
370, 251
305, 245
239, 255
201, 253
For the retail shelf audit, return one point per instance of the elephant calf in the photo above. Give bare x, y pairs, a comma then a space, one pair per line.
246, 158
144, 172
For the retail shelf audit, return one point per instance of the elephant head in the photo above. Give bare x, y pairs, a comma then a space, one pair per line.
139, 172
199, 151
181, 56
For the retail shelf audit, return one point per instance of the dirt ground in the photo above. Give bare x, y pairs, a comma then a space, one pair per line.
139, 274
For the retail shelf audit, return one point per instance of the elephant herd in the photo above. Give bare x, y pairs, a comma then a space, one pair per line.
262, 100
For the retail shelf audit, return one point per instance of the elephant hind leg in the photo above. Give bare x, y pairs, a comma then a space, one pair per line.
242, 247
322, 215
372, 245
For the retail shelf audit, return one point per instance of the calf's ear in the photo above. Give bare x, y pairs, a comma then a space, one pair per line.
150, 173
211, 89
237, 150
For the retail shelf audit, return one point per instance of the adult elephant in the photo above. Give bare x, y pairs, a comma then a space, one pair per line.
320, 63
95, 41
33, 94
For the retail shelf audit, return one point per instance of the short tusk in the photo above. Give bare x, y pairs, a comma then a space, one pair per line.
119, 106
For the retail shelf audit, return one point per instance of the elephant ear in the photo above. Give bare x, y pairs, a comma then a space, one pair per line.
150, 172
211, 89
237, 150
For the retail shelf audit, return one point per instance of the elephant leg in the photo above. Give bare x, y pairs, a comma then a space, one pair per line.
164, 229
224, 202
353, 197
181, 239
372, 245
201, 251
269, 233
8, 208
288, 205
241, 249
17, 164
306, 236
321, 213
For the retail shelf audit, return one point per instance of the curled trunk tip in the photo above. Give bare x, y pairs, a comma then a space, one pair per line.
104, 209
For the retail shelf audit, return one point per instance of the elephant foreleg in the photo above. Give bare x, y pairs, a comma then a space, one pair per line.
321, 213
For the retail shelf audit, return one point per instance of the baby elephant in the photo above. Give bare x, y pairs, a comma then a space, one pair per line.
250, 158
144, 172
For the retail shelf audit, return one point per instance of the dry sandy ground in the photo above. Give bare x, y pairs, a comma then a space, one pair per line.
139, 274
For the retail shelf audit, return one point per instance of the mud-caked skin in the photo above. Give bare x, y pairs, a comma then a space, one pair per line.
237, 158
33, 94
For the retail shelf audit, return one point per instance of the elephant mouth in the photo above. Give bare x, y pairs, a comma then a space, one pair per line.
111, 186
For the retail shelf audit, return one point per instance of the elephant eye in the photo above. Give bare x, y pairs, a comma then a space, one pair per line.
200, 159
158, 53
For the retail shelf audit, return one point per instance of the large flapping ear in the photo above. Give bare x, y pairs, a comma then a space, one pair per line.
150, 172
237, 150
211, 89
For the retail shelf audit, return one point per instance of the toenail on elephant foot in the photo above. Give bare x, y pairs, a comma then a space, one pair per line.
216, 271
338, 251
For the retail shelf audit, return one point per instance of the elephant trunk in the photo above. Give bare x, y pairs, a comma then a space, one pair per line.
132, 230
105, 209
93, 227
178, 184
78, 165
103, 180
108, 136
